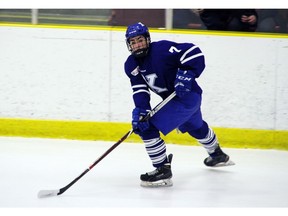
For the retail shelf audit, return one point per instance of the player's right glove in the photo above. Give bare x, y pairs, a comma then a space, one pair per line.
138, 124
183, 82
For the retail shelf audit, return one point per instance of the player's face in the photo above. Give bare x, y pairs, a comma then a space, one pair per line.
138, 42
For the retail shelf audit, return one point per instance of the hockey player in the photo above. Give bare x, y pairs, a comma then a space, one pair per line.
164, 67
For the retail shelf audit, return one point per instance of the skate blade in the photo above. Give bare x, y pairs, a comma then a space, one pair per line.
160, 183
223, 164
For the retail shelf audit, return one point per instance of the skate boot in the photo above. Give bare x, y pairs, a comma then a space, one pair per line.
160, 177
218, 158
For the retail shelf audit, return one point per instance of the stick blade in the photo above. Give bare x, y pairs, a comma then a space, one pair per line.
47, 193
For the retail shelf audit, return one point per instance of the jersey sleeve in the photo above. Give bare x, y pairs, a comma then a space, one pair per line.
141, 93
191, 58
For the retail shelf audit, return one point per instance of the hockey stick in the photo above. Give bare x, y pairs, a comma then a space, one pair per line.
49, 193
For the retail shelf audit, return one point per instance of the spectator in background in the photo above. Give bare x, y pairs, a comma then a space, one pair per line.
272, 20
283, 20
229, 19
186, 19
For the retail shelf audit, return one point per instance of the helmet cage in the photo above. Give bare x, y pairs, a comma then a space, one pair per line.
135, 30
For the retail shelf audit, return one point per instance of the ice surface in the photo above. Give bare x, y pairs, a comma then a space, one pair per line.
28, 165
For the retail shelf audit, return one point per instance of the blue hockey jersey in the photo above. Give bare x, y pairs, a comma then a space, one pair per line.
157, 71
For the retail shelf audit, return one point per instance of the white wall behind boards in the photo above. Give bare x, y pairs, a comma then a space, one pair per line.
73, 74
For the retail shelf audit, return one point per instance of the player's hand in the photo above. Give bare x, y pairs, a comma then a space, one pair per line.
137, 123
183, 83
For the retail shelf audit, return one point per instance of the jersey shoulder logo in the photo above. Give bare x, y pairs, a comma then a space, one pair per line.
135, 72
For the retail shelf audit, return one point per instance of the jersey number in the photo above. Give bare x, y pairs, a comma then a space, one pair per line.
172, 49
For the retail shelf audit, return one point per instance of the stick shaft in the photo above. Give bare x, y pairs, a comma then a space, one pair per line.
48, 193
62, 190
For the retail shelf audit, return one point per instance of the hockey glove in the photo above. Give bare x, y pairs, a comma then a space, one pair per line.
138, 124
183, 83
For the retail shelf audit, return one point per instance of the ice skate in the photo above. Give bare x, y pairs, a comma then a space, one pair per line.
218, 158
160, 177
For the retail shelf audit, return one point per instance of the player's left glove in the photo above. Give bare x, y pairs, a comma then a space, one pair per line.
183, 83
138, 124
